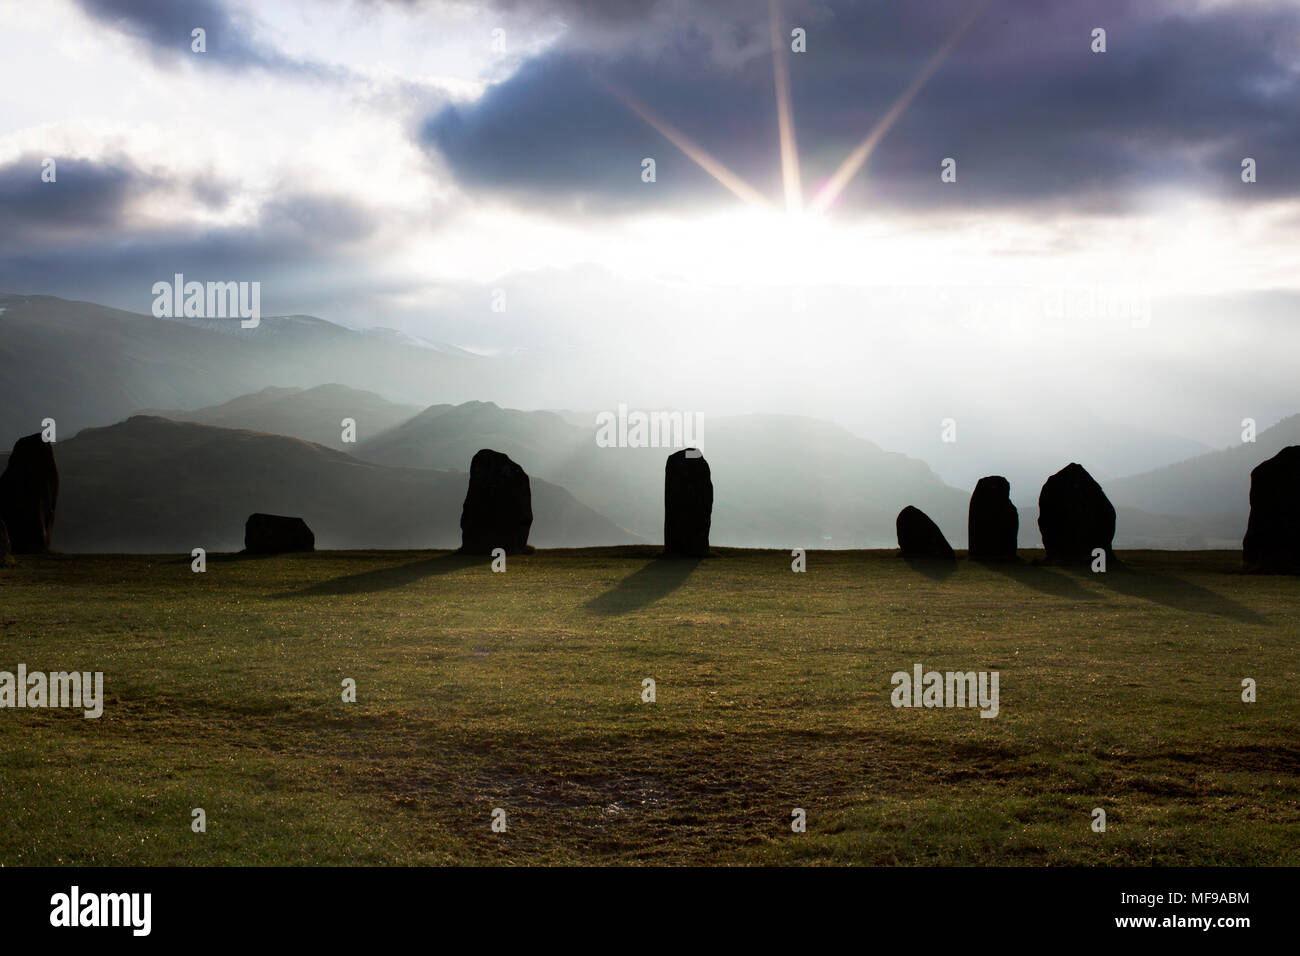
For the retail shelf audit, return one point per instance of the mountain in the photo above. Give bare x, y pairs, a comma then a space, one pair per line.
447, 436
1024, 448
782, 480
84, 364
153, 485
1215, 486
312, 414
779, 481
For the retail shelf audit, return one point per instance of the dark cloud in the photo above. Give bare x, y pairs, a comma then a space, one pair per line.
555, 131
165, 26
85, 196
81, 236
1029, 112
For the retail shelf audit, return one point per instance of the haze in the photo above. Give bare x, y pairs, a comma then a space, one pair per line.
1098, 279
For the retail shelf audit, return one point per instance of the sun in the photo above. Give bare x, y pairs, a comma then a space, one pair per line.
825, 197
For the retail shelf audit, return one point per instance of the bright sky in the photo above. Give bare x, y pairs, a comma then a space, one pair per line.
311, 149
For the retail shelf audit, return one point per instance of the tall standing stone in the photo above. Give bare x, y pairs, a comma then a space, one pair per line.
498, 511
1075, 517
688, 504
1272, 541
993, 523
29, 490
920, 537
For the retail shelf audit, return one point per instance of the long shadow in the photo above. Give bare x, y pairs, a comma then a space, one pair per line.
657, 579
236, 557
937, 569
1043, 579
383, 579
1175, 593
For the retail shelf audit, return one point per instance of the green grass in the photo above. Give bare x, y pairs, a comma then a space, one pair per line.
522, 691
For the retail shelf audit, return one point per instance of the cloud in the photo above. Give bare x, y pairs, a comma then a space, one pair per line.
90, 234
86, 196
554, 132
1031, 114
165, 27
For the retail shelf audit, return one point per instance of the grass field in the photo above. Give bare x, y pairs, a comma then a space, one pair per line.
522, 691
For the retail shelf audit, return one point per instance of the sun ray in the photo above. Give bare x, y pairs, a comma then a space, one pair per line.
849, 168
688, 146
785, 117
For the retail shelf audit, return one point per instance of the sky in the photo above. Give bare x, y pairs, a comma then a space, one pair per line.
408, 165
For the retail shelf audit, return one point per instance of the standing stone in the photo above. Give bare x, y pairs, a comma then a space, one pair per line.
688, 504
919, 537
29, 490
277, 534
1272, 541
1075, 517
498, 511
993, 523
4, 544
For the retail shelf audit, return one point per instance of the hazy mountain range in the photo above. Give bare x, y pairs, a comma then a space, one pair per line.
84, 364
314, 414
228, 423
153, 485
780, 481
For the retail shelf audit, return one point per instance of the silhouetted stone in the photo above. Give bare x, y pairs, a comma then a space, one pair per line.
498, 511
993, 523
919, 537
688, 504
4, 544
1272, 541
277, 534
29, 490
1075, 517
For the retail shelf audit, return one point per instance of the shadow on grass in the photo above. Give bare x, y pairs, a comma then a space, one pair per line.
937, 569
657, 579
384, 579
1175, 593
1042, 578
236, 557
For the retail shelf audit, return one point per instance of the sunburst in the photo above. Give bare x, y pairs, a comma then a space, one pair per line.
789, 150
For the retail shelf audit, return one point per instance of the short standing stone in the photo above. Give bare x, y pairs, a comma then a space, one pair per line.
688, 504
277, 534
29, 490
919, 537
1075, 517
498, 511
1272, 541
993, 522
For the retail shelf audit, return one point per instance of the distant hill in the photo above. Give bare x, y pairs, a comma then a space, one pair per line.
313, 414
85, 364
1216, 484
151, 485
1026, 449
786, 478
154, 485
447, 436
783, 481
780, 481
